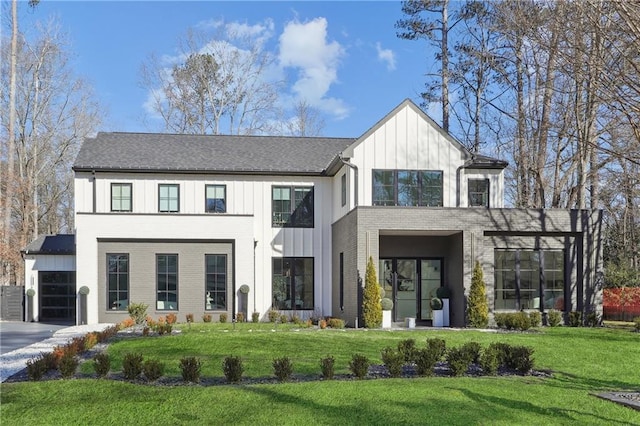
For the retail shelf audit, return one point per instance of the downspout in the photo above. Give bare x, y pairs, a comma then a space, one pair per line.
355, 177
458, 187
93, 189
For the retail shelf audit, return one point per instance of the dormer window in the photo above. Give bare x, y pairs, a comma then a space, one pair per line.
478, 192
407, 188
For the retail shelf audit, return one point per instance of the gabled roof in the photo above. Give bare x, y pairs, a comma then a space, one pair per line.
52, 244
160, 152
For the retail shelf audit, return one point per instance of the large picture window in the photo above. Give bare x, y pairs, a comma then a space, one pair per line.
121, 196
292, 206
168, 198
117, 281
521, 276
407, 188
215, 282
293, 283
478, 192
167, 282
216, 198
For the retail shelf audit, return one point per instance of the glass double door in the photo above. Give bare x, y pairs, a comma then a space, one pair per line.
410, 283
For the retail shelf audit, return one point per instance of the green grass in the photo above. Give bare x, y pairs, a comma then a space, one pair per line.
584, 361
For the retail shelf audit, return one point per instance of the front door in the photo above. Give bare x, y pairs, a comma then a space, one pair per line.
411, 283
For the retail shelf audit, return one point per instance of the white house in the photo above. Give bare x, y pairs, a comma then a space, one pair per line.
183, 222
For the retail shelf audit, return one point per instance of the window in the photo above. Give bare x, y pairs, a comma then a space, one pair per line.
167, 281
518, 277
121, 197
292, 207
168, 198
117, 281
343, 182
407, 188
478, 192
215, 282
293, 283
215, 199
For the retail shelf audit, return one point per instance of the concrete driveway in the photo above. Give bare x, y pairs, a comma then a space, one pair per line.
16, 335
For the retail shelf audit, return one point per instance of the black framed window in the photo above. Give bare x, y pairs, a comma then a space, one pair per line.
167, 282
118, 281
529, 279
292, 286
168, 198
292, 206
215, 282
121, 197
215, 198
343, 189
407, 188
478, 192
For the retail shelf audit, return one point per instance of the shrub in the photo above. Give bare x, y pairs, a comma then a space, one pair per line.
296, 319
535, 319
393, 360
101, 364
206, 318
68, 366
126, 323
284, 319
386, 303
490, 359
500, 319
592, 319
407, 348
520, 321
171, 318
502, 351
273, 315
322, 324
335, 323
636, 323
255, 317
520, 358
472, 350
131, 365
426, 359
36, 368
458, 360
189, 318
359, 365
152, 369
575, 319
223, 318
436, 303
52, 359
240, 317
163, 328
438, 346
282, 368
90, 340
371, 305
554, 317
145, 331
232, 368
137, 312
478, 307
190, 367
74, 347
327, 367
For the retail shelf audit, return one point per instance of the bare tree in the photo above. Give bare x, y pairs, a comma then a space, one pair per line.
306, 121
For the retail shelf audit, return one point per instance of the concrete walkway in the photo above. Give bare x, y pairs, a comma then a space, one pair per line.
15, 361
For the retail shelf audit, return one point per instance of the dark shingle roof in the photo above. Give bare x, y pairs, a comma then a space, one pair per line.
208, 153
52, 244
484, 162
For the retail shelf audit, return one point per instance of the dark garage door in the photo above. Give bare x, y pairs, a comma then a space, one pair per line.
58, 296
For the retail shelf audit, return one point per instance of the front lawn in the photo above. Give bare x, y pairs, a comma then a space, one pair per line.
583, 361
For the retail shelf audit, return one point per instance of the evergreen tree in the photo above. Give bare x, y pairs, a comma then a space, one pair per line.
478, 308
371, 305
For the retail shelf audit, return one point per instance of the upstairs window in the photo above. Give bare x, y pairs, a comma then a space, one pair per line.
215, 199
407, 188
121, 197
343, 188
292, 206
168, 198
478, 192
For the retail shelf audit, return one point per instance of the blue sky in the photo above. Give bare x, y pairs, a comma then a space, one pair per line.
344, 57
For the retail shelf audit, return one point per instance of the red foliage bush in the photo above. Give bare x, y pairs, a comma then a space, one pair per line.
621, 303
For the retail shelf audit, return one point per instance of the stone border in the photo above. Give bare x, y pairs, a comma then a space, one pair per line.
628, 399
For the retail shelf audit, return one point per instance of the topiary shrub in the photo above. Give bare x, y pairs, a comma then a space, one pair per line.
327, 367
436, 303
131, 365
439, 347
458, 360
500, 319
393, 360
137, 312
554, 317
255, 317
407, 348
190, 368
240, 317
359, 365
426, 359
101, 364
207, 318
520, 321
282, 368
371, 305
68, 366
477, 307
443, 293
535, 319
152, 369
223, 318
490, 360
36, 368
232, 368
575, 319
387, 304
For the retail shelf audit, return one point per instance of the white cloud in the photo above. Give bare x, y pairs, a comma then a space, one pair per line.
386, 55
304, 46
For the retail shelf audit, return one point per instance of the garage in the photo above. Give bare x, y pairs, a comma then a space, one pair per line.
57, 296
